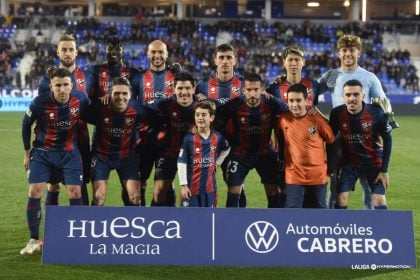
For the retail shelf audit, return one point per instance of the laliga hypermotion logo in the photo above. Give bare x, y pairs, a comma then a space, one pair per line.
262, 237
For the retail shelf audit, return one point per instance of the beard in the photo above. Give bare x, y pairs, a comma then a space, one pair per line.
67, 63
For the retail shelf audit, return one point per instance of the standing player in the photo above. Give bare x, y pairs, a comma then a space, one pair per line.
293, 62
304, 153
349, 50
54, 148
67, 53
176, 114
116, 126
156, 83
361, 126
199, 156
253, 118
99, 77
224, 85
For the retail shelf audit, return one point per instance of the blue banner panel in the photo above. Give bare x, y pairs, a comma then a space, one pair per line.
234, 237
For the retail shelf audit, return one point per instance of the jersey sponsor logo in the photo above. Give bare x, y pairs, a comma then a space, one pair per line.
51, 116
106, 120
175, 114
148, 85
262, 237
197, 150
104, 74
243, 120
212, 89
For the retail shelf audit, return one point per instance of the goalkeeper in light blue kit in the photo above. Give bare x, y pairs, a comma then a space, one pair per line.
349, 50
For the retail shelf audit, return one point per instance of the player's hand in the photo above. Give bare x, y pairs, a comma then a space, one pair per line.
193, 129
175, 67
267, 95
104, 100
384, 178
185, 192
280, 78
26, 159
50, 71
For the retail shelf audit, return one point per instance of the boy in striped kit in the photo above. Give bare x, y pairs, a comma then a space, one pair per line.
199, 156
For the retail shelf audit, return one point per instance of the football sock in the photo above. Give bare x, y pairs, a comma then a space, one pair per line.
33, 216
340, 207
233, 200
143, 195
242, 199
171, 197
274, 201
125, 198
282, 200
381, 207
85, 194
52, 198
76, 201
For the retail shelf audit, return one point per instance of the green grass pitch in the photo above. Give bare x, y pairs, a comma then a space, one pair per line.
404, 194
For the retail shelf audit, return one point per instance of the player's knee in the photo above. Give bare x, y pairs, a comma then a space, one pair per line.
342, 198
74, 192
379, 199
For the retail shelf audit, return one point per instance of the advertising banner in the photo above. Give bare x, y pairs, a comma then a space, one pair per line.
233, 237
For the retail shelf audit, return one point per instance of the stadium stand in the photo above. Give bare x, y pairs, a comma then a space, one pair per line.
192, 42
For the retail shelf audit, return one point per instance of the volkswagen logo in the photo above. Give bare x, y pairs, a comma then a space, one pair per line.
261, 237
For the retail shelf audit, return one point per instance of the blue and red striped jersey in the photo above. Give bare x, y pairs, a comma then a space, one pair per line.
99, 78
200, 156
115, 133
56, 124
215, 89
155, 85
176, 121
279, 90
361, 135
252, 127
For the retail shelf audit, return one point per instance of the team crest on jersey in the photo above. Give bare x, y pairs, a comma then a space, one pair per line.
80, 82
312, 131
129, 121
124, 75
264, 117
235, 90
213, 148
309, 91
169, 84
29, 113
366, 125
74, 111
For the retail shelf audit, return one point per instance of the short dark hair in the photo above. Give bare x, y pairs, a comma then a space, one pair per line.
353, 83
113, 42
298, 88
206, 104
120, 81
295, 49
184, 76
252, 77
60, 73
225, 48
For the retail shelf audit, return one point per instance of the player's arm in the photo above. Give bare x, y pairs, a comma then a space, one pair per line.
385, 132
224, 151
182, 172
27, 122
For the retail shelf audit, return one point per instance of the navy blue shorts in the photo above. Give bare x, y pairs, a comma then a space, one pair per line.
166, 168
238, 167
348, 176
44, 164
126, 168
201, 200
